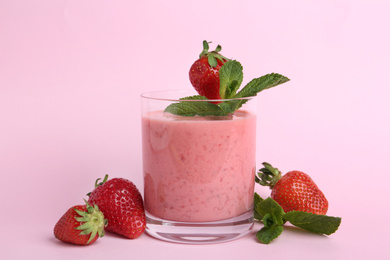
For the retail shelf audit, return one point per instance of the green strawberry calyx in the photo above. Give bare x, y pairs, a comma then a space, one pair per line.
212, 56
93, 221
97, 183
268, 175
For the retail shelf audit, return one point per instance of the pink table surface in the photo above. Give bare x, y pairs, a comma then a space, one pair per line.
71, 73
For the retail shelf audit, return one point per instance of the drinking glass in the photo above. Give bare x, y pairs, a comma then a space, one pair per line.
199, 171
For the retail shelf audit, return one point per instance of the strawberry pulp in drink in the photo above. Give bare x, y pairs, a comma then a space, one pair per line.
198, 169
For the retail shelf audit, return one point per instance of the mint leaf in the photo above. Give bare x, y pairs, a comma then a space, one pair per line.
266, 235
231, 89
189, 108
227, 107
230, 78
232, 105
255, 86
270, 220
258, 84
196, 97
269, 206
320, 224
257, 200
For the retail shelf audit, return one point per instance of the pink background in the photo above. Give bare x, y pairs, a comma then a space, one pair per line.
71, 73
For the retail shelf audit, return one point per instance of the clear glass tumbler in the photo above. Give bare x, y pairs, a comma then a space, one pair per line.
199, 171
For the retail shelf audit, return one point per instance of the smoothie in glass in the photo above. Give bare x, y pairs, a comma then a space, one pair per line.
198, 169
199, 149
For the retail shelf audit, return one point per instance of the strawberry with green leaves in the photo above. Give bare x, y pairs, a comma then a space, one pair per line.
295, 198
81, 225
122, 205
294, 190
204, 72
216, 77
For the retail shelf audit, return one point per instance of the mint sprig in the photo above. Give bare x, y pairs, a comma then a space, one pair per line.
271, 213
230, 77
259, 84
319, 224
267, 234
273, 217
189, 108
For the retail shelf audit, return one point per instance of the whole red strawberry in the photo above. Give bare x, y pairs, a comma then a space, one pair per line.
293, 191
81, 225
204, 73
122, 205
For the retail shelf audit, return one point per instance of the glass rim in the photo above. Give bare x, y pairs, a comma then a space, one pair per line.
148, 95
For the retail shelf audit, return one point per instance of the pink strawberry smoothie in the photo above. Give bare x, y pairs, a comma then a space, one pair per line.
198, 168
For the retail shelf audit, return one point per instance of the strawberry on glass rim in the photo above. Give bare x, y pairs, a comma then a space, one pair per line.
204, 72
219, 79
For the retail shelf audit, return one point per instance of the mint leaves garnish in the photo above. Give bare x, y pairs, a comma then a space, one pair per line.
271, 213
320, 224
188, 108
230, 77
273, 217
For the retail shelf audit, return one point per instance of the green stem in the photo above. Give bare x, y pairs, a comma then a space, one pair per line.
268, 175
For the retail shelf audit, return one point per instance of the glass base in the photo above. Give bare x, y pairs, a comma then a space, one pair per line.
200, 232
